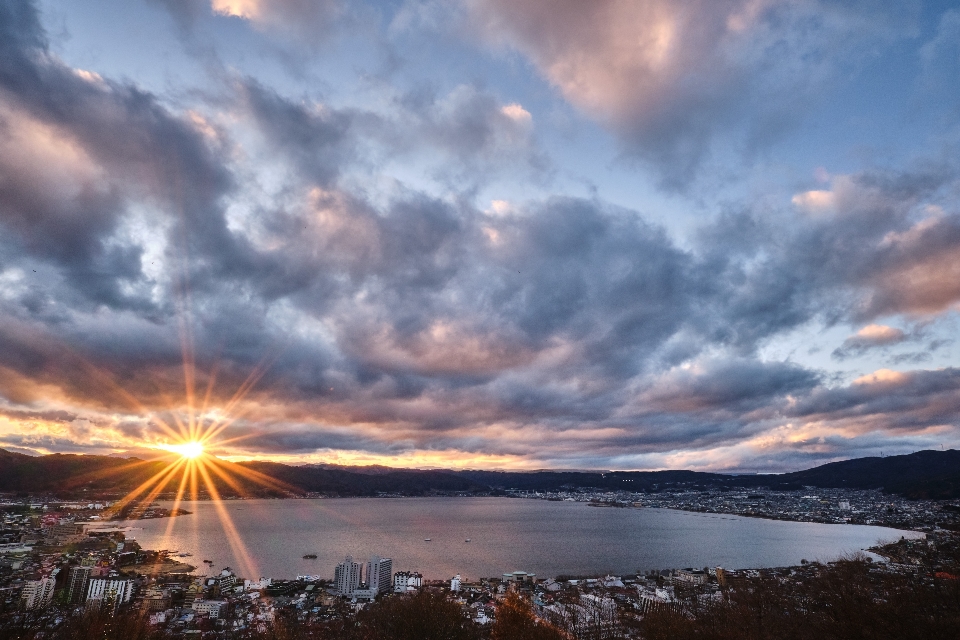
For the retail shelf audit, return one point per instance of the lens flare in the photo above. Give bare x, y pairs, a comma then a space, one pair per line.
188, 430
190, 450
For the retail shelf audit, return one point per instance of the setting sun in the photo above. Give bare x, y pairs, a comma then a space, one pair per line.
187, 449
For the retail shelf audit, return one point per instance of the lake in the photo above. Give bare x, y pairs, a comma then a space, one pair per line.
270, 537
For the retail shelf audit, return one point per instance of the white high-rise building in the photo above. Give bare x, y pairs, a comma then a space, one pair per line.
37, 594
379, 574
347, 576
455, 583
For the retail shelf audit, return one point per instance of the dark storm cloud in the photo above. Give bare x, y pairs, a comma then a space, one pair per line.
898, 400
114, 144
315, 138
471, 128
735, 386
474, 294
876, 243
287, 441
463, 138
30, 443
45, 416
579, 265
81, 153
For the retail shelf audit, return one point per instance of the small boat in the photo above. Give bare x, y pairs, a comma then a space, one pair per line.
310, 556
426, 539
209, 561
467, 540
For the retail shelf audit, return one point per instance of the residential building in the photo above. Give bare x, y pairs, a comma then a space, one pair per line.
455, 583
404, 581
37, 593
223, 582
66, 533
379, 579
657, 599
379, 574
110, 592
77, 584
211, 608
192, 593
691, 576
257, 585
156, 599
347, 576
520, 576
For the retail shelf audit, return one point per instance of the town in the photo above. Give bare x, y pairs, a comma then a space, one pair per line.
57, 562
834, 506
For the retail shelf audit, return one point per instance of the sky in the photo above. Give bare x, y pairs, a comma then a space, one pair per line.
714, 234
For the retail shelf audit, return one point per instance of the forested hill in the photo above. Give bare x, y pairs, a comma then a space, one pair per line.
925, 474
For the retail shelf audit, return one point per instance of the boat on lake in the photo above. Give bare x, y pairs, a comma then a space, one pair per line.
310, 556
426, 539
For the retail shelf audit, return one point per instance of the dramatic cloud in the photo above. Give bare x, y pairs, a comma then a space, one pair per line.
669, 76
415, 266
887, 401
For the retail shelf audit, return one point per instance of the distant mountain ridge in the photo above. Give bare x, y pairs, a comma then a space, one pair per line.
924, 474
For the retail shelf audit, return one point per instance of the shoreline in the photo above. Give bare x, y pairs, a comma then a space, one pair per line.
891, 525
441, 556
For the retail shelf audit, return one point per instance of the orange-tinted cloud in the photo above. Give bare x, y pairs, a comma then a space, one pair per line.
922, 271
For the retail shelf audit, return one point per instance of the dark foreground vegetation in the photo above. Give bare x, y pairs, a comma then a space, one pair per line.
845, 601
849, 599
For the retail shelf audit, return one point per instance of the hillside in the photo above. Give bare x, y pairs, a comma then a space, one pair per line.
69, 472
346, 482
76, 476
925, 474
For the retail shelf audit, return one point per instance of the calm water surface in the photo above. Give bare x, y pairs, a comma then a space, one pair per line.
546, 538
